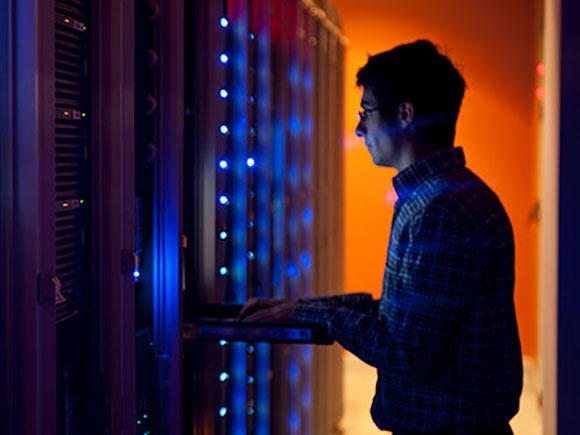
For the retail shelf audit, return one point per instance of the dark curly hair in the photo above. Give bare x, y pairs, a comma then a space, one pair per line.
419, 74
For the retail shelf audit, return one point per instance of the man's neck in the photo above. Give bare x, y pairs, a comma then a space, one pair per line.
411, 154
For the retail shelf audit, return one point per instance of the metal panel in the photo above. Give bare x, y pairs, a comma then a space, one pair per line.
28, 222
263, 189
238, 191
6, 217
113, 208
167, 220
306, 215
280, 202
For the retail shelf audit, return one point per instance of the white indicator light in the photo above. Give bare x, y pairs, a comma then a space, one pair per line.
224, 22
224, 58
224, 164
224, 129
223, 411
224, 271
224, 376
223, 93
224, 200
223, 235
136, 273
251, 162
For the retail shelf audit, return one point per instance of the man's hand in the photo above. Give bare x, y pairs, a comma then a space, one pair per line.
264, 310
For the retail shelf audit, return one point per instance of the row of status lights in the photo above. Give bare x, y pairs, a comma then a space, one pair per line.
224, 200
225, 165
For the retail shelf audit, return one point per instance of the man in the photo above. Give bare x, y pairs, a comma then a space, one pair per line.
444, 335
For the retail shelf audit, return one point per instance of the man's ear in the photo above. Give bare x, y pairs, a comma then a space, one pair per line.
406, 114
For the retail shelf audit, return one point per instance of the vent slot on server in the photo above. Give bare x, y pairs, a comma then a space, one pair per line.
71, 168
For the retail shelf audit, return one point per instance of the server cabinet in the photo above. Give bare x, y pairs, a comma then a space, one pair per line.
262, 206
158, 155
66, 325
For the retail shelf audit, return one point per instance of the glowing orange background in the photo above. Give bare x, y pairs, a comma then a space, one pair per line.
495, 43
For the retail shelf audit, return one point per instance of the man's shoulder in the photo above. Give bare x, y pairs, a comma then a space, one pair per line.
464, 197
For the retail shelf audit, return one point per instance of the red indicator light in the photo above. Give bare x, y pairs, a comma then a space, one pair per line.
540, 93
541, 69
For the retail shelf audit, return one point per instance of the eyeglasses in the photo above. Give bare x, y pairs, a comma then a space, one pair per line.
365, 112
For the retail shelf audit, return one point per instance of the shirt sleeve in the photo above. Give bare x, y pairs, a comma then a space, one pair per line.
361, 302
439, 270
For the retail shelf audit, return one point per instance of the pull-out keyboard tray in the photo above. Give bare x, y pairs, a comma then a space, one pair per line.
219, 322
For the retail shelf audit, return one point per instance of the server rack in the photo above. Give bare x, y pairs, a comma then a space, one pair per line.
112, 154
262, 206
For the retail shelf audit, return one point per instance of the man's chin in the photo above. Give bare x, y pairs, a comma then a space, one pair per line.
381, 163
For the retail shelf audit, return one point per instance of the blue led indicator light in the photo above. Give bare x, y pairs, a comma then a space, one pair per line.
251, 224
250, 379
224, 164
223, 342
305, 261
250, 411
252, 131
138, 421
224, 200
307, 215
292, 270
251, 348
224, 376
252, 36
224, 129
251, 255
223, 235
224, 271
251, 99
224, 58
224, 94
223, 411
144, 415
224, 22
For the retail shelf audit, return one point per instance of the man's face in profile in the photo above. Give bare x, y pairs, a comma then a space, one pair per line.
375, 131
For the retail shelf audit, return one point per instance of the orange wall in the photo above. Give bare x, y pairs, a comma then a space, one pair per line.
496, 45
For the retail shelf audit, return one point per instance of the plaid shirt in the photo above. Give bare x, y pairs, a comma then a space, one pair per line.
443, 336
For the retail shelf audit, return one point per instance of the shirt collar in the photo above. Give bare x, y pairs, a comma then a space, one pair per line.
406, 181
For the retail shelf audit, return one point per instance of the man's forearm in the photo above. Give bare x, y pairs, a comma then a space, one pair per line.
360, 302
